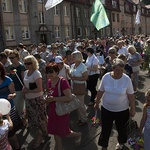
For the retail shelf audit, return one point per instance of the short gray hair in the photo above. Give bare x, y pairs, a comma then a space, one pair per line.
131, 48
78, 56
118, 62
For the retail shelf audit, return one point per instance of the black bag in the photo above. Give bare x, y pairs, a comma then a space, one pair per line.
131, 126
32, 86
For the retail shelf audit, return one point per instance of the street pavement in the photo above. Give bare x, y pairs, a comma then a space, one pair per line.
90, 134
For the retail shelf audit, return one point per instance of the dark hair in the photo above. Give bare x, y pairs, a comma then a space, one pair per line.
3, 55
68, 52
20, 45
52, 66
2, 70
37, 55
90, 50
16, 53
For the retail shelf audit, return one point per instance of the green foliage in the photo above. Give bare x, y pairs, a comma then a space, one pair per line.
147, 2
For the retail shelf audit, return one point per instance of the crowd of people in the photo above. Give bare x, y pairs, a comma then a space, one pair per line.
29, 79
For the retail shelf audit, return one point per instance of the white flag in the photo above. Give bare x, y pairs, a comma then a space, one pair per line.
138, 15
51, 3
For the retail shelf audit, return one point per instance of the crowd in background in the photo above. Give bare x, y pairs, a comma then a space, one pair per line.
40, 68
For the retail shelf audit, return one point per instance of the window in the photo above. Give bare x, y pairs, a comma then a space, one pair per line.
134, 8
142, 10
41, 17
86, 31
25, 32
114, 4
114, 31
56, 10
9, 30
23, 6
118, 18
79, 31
113, 17
66, 11
57, 32
127, 7
108, 31
77, 12
6, 5
67, 31
102, 32
103, 2
85, 13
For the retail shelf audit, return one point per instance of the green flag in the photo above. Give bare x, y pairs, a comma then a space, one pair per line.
99, 16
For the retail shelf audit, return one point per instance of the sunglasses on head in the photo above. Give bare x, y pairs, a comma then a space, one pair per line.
12, 57
28, 63
49, 71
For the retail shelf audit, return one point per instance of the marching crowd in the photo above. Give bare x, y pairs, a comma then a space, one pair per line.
30, 78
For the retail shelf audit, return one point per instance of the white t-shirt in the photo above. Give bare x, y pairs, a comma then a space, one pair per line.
77, 72
31, 79
62, 72
123, 50
91, 61
115, 92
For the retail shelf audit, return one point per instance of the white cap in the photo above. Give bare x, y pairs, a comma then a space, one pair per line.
58, 59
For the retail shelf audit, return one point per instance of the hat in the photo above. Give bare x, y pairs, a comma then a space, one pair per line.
58, 59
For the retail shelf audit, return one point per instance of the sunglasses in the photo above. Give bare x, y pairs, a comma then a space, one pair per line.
28, 63
111, 52
49, 71
12, 57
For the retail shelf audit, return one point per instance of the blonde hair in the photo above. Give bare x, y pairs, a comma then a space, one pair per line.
132, 48
32, 59
78, 56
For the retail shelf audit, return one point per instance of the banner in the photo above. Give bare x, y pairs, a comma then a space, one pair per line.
138, 15
99, 17
51, 3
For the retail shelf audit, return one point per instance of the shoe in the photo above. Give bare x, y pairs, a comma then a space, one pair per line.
78, 140
91, 103
119, 146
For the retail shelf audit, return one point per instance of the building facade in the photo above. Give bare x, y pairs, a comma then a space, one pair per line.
28, 22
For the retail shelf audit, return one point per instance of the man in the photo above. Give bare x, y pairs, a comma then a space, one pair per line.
122, 50
44, 52
23, 53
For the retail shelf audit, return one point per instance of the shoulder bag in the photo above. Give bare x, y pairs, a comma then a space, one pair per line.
63, 108
79, 88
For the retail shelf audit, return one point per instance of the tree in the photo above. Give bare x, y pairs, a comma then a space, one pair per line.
146, 2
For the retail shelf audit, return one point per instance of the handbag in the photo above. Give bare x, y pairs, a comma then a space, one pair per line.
136, 68
79, 88
131, 126
63, 108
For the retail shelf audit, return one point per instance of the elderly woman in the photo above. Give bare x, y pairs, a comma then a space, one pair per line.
78, 75
58, 125
93, 73
35, 105
117, 95
135, 60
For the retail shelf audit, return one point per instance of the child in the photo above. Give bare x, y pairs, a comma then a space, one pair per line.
145, 122
4, 128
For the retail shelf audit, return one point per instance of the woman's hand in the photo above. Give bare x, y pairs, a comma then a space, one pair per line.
11, 96
25, 90
50, 99
96, 105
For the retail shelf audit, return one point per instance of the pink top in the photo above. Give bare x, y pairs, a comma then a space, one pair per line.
57, 125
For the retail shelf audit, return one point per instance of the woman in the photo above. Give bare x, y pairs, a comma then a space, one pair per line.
7, 91
147, 56
58, 125
135, 60
35, 105
117, 95
68, 60
78, 74
93, 73
19, 67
